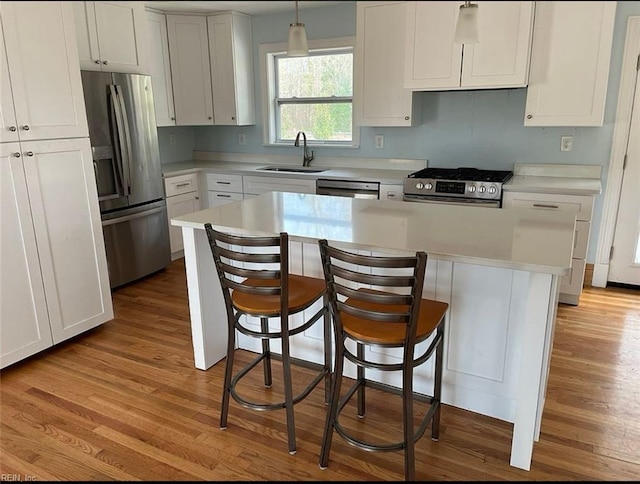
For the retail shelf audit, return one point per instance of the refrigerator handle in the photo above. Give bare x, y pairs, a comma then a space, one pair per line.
123, 137
117, 129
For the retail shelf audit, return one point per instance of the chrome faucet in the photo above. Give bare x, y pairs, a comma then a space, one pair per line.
306, 158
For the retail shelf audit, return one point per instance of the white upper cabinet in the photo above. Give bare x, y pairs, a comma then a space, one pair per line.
190, 69
434, 61
230, 50
570, 59
111, 36
41, 86
379, 96
160, 68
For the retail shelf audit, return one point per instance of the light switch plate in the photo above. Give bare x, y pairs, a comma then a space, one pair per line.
566, 143
379, 141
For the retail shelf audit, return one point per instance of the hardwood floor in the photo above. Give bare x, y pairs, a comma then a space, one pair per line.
124, 402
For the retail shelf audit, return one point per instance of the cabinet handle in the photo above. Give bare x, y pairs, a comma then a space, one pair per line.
17, 155
26, 127
233, 118
209, 117
406, 118
105, 62
223, 183
12, 128
173, 118
529, 116
29, 153
97, 61
180, 185
544, 205
197, 198
223, 196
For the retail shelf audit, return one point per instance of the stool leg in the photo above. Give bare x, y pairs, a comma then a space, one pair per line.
407, 422
327, 350
231, 344
266, 351
361, 382
437, 384
332, 411
288, 388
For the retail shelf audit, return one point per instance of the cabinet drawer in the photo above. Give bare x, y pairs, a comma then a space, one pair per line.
218, 198
222, 182
177, 185
582, 206
572, 282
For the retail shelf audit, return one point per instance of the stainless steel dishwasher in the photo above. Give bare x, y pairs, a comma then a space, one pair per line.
348, 188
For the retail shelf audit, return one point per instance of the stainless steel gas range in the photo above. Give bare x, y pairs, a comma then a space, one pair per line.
459, 186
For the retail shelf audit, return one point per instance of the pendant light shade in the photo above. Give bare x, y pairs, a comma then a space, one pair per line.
297, 46
467, 26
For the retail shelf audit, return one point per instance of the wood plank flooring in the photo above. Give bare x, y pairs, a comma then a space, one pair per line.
124, 402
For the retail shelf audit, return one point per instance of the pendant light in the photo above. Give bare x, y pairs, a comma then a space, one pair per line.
297, 46
467, 26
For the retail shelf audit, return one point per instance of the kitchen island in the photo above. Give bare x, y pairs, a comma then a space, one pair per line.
497, 269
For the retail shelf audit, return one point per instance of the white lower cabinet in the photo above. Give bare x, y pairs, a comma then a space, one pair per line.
54, 276
183, 197
582, 206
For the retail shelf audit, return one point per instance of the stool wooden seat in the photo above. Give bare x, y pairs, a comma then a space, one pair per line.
255, 280
391, 313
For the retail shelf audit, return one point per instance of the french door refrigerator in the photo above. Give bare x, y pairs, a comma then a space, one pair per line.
126, 161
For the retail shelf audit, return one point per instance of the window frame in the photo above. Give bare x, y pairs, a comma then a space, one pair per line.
268, 53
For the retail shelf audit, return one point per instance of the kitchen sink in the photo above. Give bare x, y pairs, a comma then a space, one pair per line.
292, 169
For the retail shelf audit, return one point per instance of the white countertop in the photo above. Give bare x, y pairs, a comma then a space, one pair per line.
553, 184
555, 178
521, 239
385, 176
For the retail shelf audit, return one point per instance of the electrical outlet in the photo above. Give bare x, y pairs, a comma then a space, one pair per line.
172, 138
379, 144
566, 143
242, 140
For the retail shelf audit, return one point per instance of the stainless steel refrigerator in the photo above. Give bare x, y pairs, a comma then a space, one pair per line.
126, 161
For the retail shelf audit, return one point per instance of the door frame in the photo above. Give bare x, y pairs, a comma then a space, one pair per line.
622, 125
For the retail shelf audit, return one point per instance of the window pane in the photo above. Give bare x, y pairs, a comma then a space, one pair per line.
328, 121
315, 75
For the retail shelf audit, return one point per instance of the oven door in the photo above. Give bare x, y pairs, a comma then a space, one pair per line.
468, 202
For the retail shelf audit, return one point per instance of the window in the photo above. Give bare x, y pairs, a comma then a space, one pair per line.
313, 94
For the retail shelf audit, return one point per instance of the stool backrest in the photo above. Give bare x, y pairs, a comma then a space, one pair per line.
395, 286
250, 264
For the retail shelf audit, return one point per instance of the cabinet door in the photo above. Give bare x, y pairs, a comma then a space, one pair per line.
44, 70
432, 59
230, 49
160, 69
121, 36
191, 75
84, 15
570, 58
501, 58
66, 219
176, 206
24, 324
8, 123
379, 96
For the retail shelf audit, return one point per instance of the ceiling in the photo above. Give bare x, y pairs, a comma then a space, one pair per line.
248, 7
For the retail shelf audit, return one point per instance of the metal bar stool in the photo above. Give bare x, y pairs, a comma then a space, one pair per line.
255, 280
391, 313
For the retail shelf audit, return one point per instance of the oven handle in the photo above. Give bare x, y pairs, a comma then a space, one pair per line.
453, 201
